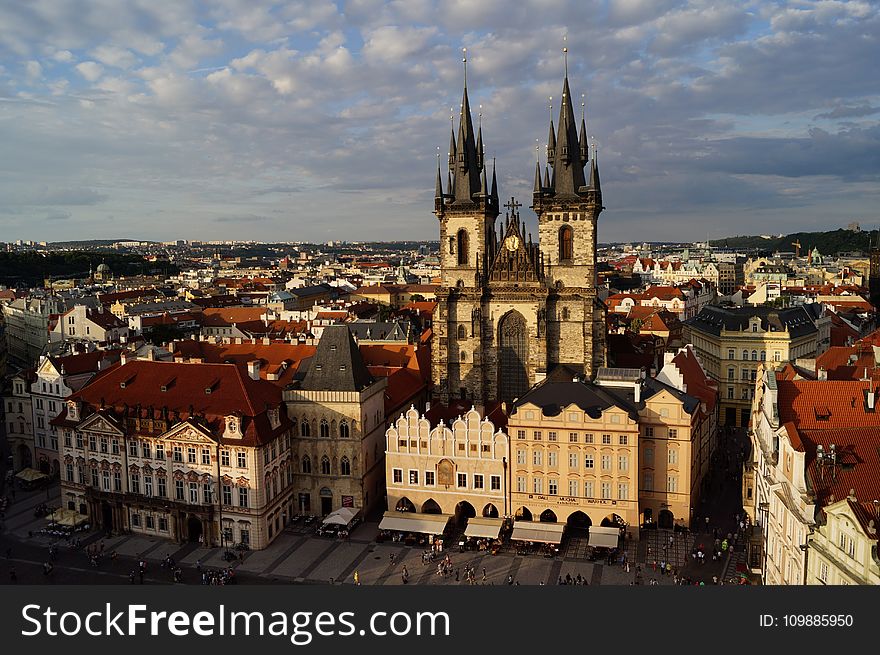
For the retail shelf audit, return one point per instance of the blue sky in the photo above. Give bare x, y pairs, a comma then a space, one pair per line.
317, 120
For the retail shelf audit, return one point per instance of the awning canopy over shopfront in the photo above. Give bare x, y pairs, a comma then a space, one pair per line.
30, 475
483, 528
604, 537
342, 516
413, 522
548, 533
67, 517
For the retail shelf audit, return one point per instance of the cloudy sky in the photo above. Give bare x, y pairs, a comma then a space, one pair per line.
318, 120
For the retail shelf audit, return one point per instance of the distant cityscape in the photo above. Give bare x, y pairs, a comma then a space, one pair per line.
499, 405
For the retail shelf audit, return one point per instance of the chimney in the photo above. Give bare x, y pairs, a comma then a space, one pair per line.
872, 400
254, 369
427, 406
823, 374
637, 388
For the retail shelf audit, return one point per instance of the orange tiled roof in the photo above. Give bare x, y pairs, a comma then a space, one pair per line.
825, 405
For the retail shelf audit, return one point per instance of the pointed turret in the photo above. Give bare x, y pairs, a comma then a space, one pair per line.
480, 145
451, 149
483, 185
568, 167
438, 187
494, 193
594, 178
547, 177
537, 189
585, 152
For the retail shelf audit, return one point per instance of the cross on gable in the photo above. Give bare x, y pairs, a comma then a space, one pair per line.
513, 205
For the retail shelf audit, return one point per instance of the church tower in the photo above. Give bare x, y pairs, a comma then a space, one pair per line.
467, 211
568, 203
510, 308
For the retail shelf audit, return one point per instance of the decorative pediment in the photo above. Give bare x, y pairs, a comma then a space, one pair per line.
161, 472
242, 481
227, 479
68, 459
105, 465
178, 475
192, 476
188, 432
133, 469
100, 423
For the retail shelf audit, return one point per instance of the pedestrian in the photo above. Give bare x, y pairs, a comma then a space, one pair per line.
391, 557
510, 579
707, 525
13, 578
357, 578
131, 577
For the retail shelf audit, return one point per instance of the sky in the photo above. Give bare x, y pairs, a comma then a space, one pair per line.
316, 120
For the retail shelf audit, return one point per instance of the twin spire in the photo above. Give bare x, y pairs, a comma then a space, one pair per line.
567, 155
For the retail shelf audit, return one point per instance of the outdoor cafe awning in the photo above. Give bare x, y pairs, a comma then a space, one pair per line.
30, 475
413, 522
604, 537
67, 517
342, 516
548, 533
483, 528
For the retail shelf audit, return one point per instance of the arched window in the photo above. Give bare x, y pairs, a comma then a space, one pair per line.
565, 313
305, 430
325, 429
306, 464
566, 243
343, 430
763, 355
462, 247
344, 466
463, 356
754, 355
325, 465
745, 354
462, 332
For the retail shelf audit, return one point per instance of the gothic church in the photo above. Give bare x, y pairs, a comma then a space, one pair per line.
510, 311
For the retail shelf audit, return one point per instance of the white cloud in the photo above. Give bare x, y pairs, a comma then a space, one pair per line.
63, 56
33, 69
114, 56
90, 70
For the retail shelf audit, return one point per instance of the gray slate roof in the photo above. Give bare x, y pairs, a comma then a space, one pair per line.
337, 364
712, 320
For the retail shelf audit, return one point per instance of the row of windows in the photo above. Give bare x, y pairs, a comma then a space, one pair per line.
325, 429
146, 450
648, 482
589, 459
478, 480
573, 437
574, 488
344, 465
193, 493
731, 354
747, 394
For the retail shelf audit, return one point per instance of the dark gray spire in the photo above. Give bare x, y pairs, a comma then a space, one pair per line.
337, 364
546, 177
551, 142
585, 151
467, 171
483, 185
568, 168
594, 178
494, 192
438, 188
480, 144
537, 188
451, 149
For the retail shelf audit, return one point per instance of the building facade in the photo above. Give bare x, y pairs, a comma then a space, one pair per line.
187, 452
843, 548
19, 419
337, 412
458, 469
27, 327
732, 345
510, 309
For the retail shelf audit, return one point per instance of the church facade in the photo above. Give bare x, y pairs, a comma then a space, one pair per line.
511, 309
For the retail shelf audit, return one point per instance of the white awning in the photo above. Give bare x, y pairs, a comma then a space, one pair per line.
413, 522
483, 528
548, 533
604, 537
342, 516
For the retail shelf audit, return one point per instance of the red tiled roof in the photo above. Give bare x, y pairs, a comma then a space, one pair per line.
226, 316
825, 405
663, 293
271, 356
84, 362
698, 384
232, 391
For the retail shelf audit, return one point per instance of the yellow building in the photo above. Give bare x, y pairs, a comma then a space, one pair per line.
457, 469
732, 344
843, 549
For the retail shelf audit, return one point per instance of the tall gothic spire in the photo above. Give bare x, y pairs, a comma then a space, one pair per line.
467, 170
568, 167
494, 193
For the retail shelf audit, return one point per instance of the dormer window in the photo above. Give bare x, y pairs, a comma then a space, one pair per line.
233, 427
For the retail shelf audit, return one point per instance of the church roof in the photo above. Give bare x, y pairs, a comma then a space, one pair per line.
337, 364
